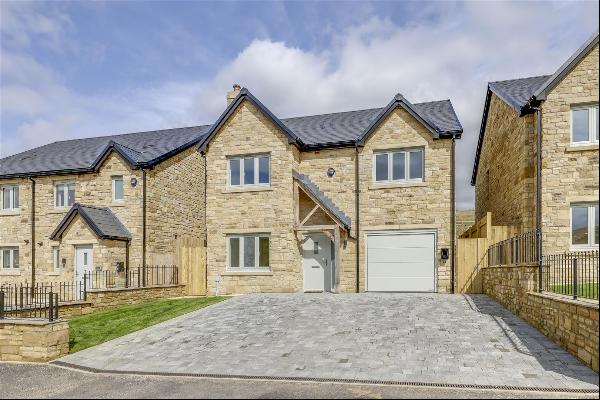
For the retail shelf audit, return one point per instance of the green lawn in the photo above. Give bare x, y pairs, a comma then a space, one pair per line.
584, 290
101, 326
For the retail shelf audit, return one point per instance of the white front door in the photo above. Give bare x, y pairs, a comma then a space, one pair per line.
84, 262
318, 272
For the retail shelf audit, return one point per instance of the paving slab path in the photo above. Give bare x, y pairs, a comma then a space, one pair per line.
421, 338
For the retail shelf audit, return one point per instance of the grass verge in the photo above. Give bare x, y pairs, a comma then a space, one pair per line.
101, 326
584, 290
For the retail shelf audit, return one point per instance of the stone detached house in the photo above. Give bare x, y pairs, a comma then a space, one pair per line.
561, 110
343, 202
99, 203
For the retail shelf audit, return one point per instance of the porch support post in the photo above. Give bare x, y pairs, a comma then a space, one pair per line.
296, 204
337, 246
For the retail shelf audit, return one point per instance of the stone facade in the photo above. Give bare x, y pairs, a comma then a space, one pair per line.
505, 182
573, 324
33, 340
270, 210
507, 168
175, 208
569, 174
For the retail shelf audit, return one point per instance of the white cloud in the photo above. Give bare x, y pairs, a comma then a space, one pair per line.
444, 51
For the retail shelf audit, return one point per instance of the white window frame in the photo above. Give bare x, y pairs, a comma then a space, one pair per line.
592, 124
12, 250
65, 193
241, 268
114, 179
256, 158
390, 157
11, 204
56, 258
591, 222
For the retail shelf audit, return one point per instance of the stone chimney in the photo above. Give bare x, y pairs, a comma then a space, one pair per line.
233, 93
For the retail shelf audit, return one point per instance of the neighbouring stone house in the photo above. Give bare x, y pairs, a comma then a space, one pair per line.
99, 203
504, 174
343, 202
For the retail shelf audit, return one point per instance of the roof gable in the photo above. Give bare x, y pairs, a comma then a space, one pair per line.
400, 101
245, 94
101, 220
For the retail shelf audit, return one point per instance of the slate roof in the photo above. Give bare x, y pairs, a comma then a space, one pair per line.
517, 92
103, 222
144, 149
84, 155
308, 186
350, 125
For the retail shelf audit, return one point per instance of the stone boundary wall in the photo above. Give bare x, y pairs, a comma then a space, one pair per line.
33, 339
109, 298
572, 324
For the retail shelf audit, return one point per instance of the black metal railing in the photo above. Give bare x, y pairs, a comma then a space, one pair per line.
572, 273
22, 301
517, 250
139, 277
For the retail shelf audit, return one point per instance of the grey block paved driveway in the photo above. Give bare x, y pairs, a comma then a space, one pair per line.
428, 338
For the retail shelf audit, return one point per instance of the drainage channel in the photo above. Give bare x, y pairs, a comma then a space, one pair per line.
326, 380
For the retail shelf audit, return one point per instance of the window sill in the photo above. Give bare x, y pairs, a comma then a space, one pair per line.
118, 204
10, 212
10, 273
248, 273
582, 147
583, 248
375, 186
248, 189
54, 273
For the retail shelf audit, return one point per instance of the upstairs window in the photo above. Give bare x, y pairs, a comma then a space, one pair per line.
399, 166
64, 194
584, 225
117, 188
584, 124
249, 171
10, 197
9, 257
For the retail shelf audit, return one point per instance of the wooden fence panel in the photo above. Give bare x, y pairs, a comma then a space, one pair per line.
470, 259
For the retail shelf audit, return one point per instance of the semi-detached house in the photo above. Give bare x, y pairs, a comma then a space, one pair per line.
344, 202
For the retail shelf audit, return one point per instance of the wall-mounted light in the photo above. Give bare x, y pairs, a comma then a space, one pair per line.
330, 172
134, 182
445, 253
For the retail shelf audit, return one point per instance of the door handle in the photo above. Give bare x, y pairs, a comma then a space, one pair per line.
315, 266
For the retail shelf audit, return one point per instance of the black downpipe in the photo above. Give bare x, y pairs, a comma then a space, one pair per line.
144, 226
538, 196
32, 233
357, 200
205, 230
452, 211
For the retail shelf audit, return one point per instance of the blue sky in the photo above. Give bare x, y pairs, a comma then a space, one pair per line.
76, 69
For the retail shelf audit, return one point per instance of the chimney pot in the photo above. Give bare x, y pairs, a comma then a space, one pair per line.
233, 93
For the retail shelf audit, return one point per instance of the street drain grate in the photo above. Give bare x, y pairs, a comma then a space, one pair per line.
325, 380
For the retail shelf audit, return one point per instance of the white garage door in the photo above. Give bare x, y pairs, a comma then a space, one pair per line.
401, 262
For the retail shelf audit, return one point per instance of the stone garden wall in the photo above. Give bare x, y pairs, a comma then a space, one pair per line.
572, 324
33, 339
